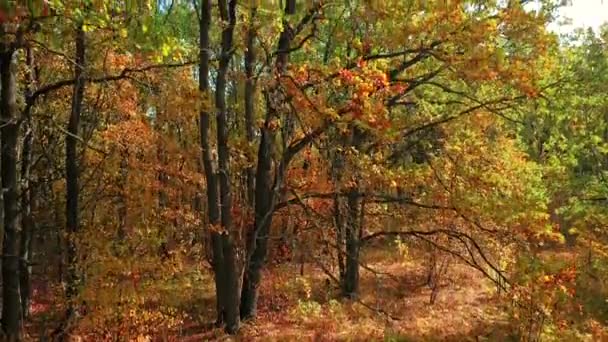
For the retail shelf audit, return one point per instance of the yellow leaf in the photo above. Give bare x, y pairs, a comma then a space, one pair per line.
166, 49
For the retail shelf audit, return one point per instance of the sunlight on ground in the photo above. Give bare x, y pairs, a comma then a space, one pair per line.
303, 308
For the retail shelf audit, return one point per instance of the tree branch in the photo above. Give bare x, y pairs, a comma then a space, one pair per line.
125, 73
370, 198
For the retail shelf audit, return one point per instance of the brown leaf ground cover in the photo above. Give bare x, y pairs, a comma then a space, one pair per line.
393, 306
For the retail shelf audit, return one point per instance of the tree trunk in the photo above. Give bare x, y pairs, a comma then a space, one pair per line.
231, 279
257, 239
348, 213
11, 299
257, 244
249, 102
337, 167
350, 285
72, 173
58, 214
354, 222
27, 221
213, 210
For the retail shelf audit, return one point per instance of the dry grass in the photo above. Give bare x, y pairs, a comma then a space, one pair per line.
466, 308
395, 306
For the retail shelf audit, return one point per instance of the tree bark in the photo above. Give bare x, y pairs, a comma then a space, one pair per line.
11, 298
257, 240
348, 213
27, 221
257, 244
353, 226
337, 168
250, 60
231, 280
350, 285
72, 172
213, 210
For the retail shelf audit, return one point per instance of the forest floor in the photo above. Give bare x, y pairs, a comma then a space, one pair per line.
393, 306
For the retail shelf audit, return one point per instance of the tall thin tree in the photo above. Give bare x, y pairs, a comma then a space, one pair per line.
231, 280
213, 210
264, 185
72, 170
11, 298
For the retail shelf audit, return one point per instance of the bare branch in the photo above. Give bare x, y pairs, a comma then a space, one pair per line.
125, 73
468, 242
370, 198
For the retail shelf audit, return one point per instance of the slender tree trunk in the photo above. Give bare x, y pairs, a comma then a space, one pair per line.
27, 221
72, 173
257, 246
257, 241
213, 210
58, 214
340, 238
337, 169
250, 59
353, 226
231, 280
350, 285
11, 298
